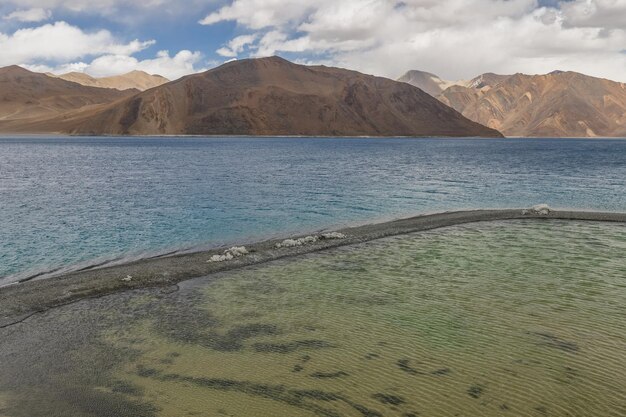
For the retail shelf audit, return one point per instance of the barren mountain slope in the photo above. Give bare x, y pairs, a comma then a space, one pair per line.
26, 95
559, 104
430, 83
272, 96
139, 80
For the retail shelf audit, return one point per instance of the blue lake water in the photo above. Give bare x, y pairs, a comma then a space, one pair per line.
66, 202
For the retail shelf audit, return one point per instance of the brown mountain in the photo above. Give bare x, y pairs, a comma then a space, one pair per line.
430, 83
559, 104
272, 96
27, 96
435, 85
488, 79
138, 80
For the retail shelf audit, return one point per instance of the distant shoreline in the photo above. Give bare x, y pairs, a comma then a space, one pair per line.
61, 135
20, 301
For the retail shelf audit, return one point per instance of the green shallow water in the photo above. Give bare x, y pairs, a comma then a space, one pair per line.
520, 318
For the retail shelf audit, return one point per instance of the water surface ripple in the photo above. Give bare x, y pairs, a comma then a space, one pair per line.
73, 201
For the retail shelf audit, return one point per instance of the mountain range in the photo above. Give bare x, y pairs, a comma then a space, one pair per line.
435, 85
559, 104
266, 96
272, 96
27, 96
138, 80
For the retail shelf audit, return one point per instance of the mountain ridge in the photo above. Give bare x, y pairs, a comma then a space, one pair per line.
557, 104
435, 85
135, 79
272, 96
27, 96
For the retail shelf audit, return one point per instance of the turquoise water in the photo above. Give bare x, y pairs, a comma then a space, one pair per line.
73, 201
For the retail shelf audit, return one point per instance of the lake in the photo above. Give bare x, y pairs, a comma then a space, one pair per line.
70, 202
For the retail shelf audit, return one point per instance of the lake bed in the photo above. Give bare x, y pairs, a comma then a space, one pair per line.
519, 316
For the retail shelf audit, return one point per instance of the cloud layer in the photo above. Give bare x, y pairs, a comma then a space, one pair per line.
60, 47
453, 38
112, 7
61, 41
29, 15
456, 39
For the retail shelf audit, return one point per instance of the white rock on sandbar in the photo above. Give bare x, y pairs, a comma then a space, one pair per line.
290, 243
541, 209
229, 254
333, 235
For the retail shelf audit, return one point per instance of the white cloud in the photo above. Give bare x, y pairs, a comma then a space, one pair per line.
171, 67
60, 69
452, 38
258, 14
29, 15
596, 13
61, 47
119, 10
61, 42
79, 5
236, 45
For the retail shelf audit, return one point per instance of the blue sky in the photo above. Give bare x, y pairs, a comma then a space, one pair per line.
171, 32
456, 39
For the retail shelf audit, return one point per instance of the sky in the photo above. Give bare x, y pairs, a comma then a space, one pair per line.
455, 39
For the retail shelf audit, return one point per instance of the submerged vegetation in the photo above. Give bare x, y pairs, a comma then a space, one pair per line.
481, 319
